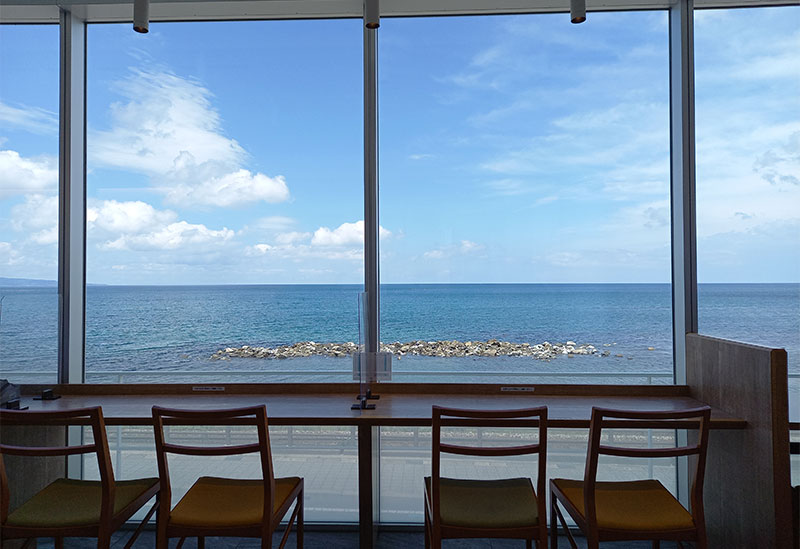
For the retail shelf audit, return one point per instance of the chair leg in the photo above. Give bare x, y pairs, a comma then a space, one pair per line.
553, 522
300, 506
104, 541
427, 529
529, 544
201, 542
656, 544
59, 543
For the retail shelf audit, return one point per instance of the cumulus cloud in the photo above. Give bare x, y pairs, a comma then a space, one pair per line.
345, 242
346, 234
127, 217
136, 225
37, 217
21, 175
32, 119
167, 128
174, 236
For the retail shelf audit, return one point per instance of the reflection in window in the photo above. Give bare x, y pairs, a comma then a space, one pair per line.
29, 203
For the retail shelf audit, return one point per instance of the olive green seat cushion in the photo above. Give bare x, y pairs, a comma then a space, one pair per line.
69, 502
632, 505
506, 503
214, 502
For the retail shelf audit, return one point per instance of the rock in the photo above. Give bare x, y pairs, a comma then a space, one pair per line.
444, 348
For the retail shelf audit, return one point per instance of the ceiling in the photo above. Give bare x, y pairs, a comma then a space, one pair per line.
47, 11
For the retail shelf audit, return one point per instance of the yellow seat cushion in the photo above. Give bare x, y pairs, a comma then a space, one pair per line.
225, 502
506, 503
636, 505
69, 502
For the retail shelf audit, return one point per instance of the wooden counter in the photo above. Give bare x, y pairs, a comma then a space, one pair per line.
569, 406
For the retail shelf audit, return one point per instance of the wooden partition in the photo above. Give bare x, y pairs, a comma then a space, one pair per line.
748, 498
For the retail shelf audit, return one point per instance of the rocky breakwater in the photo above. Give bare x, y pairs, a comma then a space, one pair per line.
445, 348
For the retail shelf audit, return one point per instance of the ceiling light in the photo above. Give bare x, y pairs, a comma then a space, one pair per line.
372, 14
141, 15
577, 11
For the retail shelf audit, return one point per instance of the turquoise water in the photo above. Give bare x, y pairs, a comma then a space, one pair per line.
177, 328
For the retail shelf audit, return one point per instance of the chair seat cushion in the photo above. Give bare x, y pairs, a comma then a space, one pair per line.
506, 503
225, 502
70, 502
636, 505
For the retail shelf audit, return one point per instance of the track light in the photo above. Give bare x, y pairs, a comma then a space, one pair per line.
577, 11
372, 14
141, 15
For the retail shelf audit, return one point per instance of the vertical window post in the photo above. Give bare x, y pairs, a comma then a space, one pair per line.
72, 214
370, 436
72, 199
682, 198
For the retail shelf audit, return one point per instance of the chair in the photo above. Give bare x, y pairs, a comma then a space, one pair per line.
216, 506
68, 507
506, 508
639, 509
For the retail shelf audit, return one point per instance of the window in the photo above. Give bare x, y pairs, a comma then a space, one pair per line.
525, 198
29, 203
224, 200
748, 141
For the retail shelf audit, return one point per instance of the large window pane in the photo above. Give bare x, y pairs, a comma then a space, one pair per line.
525, 198
748, 177
29, 203
224, 199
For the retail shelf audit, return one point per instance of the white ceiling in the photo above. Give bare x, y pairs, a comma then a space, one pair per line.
47, 11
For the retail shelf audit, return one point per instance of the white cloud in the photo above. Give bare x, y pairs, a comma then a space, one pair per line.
167, 128
346, 234
127, 217
32, 119
8, 255
434, 254
292, 252
179, 235
291, 237
421, 156
37, 213
468, 246
230, 189
21, 175
464, 247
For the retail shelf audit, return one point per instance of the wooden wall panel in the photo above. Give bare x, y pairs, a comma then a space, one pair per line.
748, 500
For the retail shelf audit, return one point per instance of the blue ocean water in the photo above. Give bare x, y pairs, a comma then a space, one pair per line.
177, 328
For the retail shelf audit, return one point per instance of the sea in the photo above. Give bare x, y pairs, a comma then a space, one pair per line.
169, 333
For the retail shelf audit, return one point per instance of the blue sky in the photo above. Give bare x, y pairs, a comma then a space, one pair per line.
513, 149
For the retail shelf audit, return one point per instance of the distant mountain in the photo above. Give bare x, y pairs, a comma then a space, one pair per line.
26, 282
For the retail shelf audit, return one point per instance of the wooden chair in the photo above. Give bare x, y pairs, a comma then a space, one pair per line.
506, 508
69, 507
216, 506
640, 509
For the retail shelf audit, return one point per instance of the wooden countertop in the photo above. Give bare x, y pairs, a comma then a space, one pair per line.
569, 406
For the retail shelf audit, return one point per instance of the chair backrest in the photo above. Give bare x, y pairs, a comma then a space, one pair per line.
254, 415
692, 419
454, 417
92, 417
